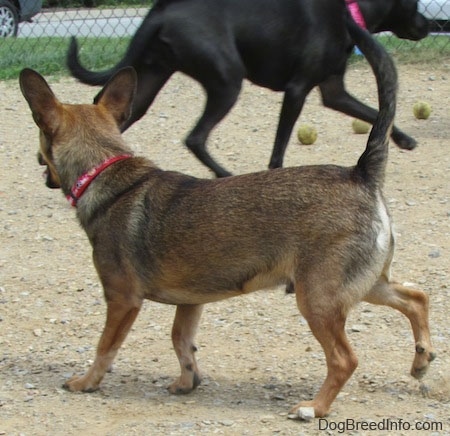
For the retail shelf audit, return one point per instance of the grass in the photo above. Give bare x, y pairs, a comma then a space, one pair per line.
47, 55
429, 50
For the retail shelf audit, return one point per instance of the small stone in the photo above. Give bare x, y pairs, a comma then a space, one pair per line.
227, 423
187, 425
267, 418
434, 254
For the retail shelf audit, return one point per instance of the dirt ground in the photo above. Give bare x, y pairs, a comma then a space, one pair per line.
256, 352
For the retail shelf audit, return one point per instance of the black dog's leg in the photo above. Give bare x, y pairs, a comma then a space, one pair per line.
294, 99
334, 96
150, 81
219, 103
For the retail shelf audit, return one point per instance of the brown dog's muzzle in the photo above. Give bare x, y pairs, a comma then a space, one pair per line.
49, 180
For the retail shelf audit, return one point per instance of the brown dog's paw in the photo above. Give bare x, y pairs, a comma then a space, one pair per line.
422, 361
302, 410
79, 384
181, 387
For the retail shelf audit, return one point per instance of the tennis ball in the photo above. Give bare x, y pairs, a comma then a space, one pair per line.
307, 134
360, 126
421, 110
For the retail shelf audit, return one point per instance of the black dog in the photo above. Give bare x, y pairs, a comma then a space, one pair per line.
284, 45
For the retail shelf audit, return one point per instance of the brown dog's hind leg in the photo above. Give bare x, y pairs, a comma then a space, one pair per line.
119, 319
184, 329
327, 323
414, 305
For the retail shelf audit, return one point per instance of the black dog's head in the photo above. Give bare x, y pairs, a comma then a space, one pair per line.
400, 17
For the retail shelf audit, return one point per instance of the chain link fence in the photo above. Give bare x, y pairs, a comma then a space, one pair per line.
48, 24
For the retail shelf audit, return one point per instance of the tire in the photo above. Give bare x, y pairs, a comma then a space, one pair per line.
9, 19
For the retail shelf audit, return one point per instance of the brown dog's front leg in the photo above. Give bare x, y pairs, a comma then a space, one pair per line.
184, 329
119, 319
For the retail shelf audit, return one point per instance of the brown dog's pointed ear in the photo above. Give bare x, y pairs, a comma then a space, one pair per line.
43, 103
118, 94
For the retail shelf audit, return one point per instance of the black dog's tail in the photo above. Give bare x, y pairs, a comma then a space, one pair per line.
138, 44
372, 163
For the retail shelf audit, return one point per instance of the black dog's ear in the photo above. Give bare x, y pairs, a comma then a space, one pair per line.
45, 107
118, 94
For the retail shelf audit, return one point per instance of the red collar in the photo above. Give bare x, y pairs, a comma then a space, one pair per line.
355, 12
85, 179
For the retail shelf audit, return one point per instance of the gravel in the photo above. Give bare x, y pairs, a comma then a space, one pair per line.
257, 354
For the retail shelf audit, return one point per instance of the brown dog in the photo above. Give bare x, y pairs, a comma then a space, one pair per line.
179, 240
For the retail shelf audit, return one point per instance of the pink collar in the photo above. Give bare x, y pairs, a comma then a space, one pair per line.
85, 179
355, 12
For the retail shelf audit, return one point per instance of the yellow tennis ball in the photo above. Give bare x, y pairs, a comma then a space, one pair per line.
421, 110
307, 134
360, 126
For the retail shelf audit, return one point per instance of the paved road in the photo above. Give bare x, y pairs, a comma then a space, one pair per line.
84, 22
101, 22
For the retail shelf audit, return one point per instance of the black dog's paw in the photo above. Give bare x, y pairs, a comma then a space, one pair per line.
404, 141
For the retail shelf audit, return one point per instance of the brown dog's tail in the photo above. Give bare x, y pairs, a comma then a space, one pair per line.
134, 54
372, 163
